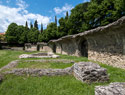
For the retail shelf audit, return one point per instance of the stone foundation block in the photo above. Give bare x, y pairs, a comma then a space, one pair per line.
90, 72
111, 89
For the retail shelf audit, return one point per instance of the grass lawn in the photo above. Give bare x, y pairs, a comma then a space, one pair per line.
7, 56
43, 65
56, 85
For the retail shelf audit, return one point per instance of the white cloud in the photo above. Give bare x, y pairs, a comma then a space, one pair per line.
20, 16
63, 10
44, 19
22, 4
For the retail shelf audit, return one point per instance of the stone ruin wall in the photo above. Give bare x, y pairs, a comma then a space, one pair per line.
45, 48
68, 47
108, 47
30, 47
105, 44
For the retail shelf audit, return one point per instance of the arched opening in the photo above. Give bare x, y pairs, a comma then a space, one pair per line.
38, 47
54, 48
83, 47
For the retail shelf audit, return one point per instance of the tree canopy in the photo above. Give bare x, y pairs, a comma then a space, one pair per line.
83, 17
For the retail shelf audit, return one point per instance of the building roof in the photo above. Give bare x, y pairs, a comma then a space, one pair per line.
2, 33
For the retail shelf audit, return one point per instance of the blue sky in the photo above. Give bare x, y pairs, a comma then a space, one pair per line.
20, 11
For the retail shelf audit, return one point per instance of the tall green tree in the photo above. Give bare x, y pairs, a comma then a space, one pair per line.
32, 36
36, 24
31, 25
42, 37
49, 33
16, 34
63, 27
41, 28
26, 25
55, 20
23, 37
104, 12
67, 15
11, 33
77, 19
97, 1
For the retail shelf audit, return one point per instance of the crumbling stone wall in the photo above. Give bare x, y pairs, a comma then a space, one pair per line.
107, 47
43, 47
105, 44
30, 47
67, 47
37, 47
115, 88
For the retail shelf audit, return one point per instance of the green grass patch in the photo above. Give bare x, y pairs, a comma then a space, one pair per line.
7, 56
116, 74
55, 85
43, 65
74, 58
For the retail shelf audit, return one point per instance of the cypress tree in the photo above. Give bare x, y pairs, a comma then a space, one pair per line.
36, 24
41, 27
26, 25
31, 25
56, 20
67, 15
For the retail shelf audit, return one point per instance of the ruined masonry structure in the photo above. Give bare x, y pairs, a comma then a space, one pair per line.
105, 44
111, 89
90, 72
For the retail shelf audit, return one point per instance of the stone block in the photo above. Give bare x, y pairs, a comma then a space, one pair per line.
111, 89
39, 55
24, 56
55, 56
90, 72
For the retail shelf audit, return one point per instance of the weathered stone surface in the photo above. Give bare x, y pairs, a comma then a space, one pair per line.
90, 72
25, 56
10, 65
52, 60
41, 72
30, 47
39, 55
105, 44
55, 56
111, 89
50, 53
